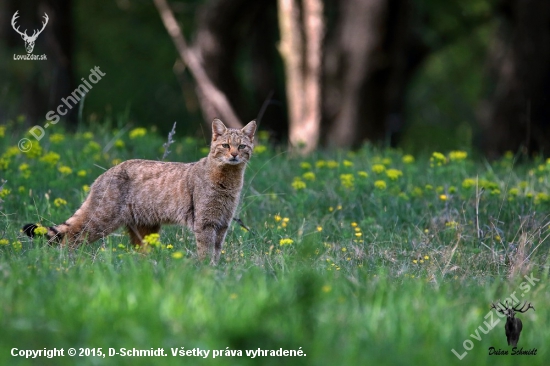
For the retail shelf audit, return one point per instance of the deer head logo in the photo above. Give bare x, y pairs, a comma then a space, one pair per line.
513, 325
29, 40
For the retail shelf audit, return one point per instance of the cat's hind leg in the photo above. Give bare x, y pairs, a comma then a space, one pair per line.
87, 224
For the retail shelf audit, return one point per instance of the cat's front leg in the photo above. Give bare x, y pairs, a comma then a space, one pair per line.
206, 234
210, 236
218, 245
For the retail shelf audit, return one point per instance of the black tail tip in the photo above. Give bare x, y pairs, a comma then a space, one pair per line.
29, 230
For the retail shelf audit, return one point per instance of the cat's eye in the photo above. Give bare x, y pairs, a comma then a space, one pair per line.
225, 146
241, 147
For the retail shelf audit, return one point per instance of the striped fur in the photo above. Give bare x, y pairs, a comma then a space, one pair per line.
142, 195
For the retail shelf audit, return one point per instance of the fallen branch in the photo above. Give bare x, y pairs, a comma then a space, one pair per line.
213, 101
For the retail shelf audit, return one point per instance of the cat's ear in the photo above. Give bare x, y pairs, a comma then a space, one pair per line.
249, 129
218, 129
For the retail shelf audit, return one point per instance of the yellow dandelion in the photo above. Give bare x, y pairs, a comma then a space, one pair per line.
443, 197
426, 257
86, 188
437, 159
380, 184
4, 241
458, 155
347, 180
468, 183
277, 218
260, 149
56, 138
298, 183
319, 228
354, 224
169, 246
539, 197
177, 255
347, 163
362, 174
58, 202
452, 224
50, 158
4, 192
309, 176
378, 168
332, 164
286, 241
408, 159
393, 174
65, 170
137, 132
286, 219
119, 143
320, 164
40, 230
358, 234
326, 288
35, 150
415, 261
152, 239
305, 165
17, 245
344, 249
91, 147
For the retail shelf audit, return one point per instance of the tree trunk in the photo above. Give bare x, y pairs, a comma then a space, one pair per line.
302, 30
371, 56
518, 116
229, 29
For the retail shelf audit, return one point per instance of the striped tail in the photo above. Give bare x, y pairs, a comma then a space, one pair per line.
52, 234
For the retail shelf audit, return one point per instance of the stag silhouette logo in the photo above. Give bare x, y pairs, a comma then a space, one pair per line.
513, 325
29, 40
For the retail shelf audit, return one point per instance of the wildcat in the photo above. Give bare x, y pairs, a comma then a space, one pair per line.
144, 194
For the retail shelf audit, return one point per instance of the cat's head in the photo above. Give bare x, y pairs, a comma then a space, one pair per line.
231, 145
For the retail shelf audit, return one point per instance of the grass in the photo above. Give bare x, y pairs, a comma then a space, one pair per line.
364, 257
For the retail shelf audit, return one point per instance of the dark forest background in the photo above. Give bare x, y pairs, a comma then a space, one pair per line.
420, 75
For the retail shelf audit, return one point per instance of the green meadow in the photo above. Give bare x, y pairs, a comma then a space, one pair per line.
371, 256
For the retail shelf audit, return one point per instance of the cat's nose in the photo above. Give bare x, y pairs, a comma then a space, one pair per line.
234, 153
